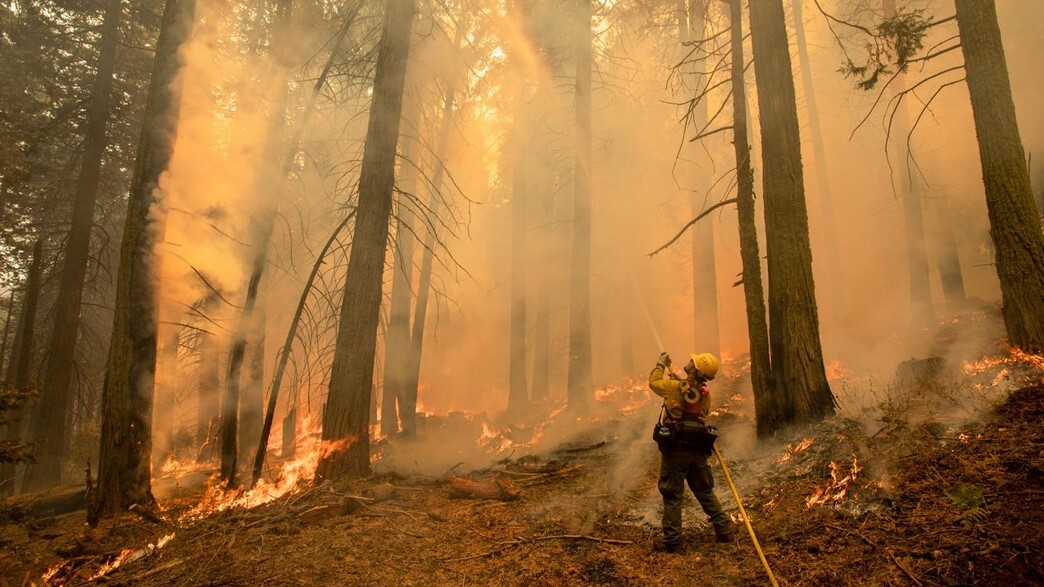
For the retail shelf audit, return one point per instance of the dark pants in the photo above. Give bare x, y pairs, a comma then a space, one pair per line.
677, 467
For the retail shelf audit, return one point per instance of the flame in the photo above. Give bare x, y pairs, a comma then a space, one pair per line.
792, 450
1014, 357
838, 486
112, 565
175, 467
294, 473
126, 556
835, 370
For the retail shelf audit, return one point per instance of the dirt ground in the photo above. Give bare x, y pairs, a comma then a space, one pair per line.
899, 502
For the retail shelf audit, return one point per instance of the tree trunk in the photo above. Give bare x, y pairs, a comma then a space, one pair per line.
767, 408
826, 197
949, 258
7, 328
124, 467
692, 25
56, 394
251, 405
518, 388
409, 406
580, 384
208, 374
284, 355
351, 378
397, 341
21, 360
1015, 224
922, 313
262, 225
280, 369
797, 355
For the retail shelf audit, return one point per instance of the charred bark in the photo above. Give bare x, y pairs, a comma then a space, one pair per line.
1015, 224
767, 408
49, 425
351, 377
580, 384
796, 351
124, 468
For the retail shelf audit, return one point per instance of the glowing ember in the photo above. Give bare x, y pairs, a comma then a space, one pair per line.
838, 486
51, 572
293, 474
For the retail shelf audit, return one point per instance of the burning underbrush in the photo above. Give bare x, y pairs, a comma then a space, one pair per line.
559, 498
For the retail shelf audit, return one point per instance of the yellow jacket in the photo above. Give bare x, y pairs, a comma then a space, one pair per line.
672, 390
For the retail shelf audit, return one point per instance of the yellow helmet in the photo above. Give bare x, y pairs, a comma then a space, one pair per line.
706, 364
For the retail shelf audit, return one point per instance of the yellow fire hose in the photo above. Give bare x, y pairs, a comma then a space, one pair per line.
743, 514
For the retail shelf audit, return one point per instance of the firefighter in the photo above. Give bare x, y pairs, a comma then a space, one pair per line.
684, 451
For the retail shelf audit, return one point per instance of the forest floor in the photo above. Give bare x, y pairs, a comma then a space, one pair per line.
910, 496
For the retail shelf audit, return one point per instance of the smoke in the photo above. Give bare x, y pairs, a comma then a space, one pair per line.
645, 179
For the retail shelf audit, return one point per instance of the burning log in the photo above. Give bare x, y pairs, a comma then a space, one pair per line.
498, 489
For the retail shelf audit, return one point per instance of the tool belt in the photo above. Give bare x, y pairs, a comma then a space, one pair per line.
684, 434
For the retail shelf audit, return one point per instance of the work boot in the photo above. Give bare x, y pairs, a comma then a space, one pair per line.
724, 534
670, 547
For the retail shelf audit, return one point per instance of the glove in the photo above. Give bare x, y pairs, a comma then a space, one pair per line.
664, 360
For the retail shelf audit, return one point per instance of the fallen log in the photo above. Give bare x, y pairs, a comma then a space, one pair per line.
46, 504
498, 489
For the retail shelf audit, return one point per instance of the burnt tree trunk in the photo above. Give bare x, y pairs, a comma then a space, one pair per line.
124, 467
580, 384
55, 402
767, 407
796, 351
351, 378
21, 360
1015, 225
